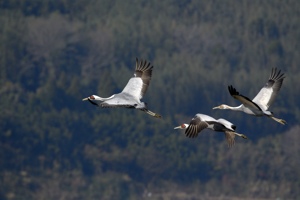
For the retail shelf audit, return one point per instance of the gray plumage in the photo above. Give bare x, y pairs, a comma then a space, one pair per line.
267, 94
262, 101
132, 93
201, 122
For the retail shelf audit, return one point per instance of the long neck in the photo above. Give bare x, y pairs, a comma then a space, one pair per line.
237, 108
182, 126
97, 98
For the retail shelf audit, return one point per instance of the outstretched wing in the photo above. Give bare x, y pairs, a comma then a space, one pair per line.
245, 100
195, 126
106, 105
227, 124
119, 100
138, 85
267, 94
229, 135
92, 102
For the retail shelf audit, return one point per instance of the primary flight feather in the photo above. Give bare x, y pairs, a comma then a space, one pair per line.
132, 93
262, 101
201, 122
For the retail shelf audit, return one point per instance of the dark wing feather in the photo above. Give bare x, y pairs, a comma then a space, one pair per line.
106, 105
144, 71
196, 126
245, 100
93, 102
267, 94
229, 135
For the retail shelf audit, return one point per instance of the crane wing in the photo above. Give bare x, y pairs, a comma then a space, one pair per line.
196, 126
138, 85
229, 135
267, 94
106, 105
92, 102
119, 100
227, 124
245, 100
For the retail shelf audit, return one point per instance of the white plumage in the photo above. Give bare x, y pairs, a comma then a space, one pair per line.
134, 87
262, 101
201, 121
132, 93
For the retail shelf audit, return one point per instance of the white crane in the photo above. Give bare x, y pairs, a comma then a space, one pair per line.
201, 121
262, 101
132, 93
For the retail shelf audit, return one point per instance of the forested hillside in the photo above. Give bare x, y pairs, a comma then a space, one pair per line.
54, 53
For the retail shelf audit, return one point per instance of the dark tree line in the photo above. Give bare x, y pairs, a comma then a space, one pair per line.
53, 54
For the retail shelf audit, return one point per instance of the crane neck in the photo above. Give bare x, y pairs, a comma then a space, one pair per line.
97, 98
236, 108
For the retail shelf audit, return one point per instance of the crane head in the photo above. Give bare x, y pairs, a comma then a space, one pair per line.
222, 106
89, 98
182, 126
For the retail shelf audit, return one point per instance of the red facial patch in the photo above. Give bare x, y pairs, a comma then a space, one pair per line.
182, 126
92, 97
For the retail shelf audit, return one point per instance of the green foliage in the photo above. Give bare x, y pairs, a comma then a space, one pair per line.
54, 53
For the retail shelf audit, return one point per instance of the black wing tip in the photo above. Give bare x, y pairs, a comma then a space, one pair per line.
276, 74
232, 90
191, 132
143, 65
93, 102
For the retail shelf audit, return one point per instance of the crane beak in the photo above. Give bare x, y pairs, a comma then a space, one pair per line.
85, 99
218, 107
177, 127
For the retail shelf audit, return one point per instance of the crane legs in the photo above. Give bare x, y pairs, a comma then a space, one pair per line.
151, 113
281, 121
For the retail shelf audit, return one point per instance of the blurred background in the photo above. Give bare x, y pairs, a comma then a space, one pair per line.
54, 53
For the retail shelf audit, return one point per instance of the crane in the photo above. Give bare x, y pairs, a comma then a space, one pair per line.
262, 101
132, 93
202, 121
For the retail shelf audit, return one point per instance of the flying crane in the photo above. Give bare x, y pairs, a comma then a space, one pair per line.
132, 93
201, 122
262, 101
